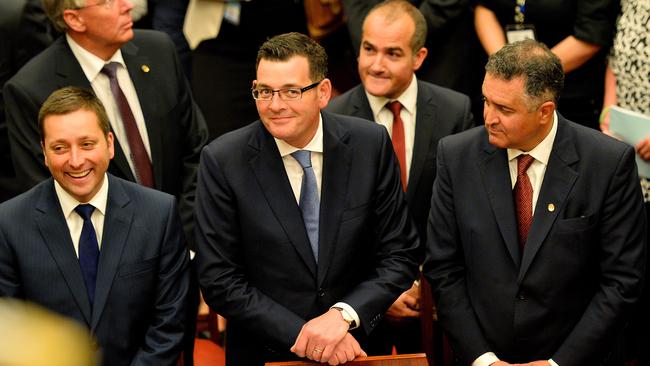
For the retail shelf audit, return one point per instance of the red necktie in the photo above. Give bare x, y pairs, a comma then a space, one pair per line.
139, 156
398, 139
523, 193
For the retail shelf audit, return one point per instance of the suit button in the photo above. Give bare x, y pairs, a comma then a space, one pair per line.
321, 292
521, 296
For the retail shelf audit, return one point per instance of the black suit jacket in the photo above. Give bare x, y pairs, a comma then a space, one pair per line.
440, 112
138, 317
255, 262
175, 126
566, 296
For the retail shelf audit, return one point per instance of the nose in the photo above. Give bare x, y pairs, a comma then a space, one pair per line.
377, 64
127, 5
489, 116
276, 103
76, 158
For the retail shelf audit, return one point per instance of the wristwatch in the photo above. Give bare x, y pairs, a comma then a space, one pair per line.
347, 317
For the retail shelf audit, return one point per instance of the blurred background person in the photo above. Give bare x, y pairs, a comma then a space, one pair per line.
627, 84
578, 32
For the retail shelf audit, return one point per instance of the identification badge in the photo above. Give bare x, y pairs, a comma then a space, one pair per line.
519, 32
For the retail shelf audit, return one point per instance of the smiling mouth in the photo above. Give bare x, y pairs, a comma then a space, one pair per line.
80, 174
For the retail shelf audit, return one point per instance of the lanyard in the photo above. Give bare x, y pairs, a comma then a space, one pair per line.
520, 10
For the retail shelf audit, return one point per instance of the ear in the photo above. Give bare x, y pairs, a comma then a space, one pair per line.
546, 112
44, 154
74, 20
418, 58
109, 140
324, 93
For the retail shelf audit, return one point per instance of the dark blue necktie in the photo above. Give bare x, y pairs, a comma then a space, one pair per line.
88, 250
309, 201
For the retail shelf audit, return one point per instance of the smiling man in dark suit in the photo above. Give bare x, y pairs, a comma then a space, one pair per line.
158, 128
303, 231
536, 245
392, 49
103, 251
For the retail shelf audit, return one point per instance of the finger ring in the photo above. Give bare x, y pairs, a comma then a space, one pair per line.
318, 350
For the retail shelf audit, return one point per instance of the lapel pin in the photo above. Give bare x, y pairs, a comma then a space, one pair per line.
551, 207
145, 68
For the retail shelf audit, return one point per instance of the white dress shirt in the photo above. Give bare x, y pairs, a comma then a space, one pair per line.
536, 172
92, 66
295, 172
384, 117
72, 218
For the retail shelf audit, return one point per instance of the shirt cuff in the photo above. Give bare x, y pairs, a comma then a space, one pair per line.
348, 309
485, 359
553, 363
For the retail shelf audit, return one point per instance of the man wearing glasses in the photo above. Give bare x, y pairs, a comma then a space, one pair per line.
304, 235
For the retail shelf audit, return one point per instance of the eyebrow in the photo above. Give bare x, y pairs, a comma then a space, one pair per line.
284, 86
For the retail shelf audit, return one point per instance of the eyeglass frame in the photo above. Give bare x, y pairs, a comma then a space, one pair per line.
106, 4
273, 91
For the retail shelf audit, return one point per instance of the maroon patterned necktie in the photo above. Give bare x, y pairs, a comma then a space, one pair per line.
139, 156
399, 143
523, 193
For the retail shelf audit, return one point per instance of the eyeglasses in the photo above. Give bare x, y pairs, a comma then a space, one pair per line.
106, 3
266, 94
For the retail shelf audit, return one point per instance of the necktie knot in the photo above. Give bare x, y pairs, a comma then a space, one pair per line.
523, 163
395, 107
110, 69
85, 211
303, 157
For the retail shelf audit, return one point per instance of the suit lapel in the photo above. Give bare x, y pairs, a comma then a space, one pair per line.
558, 182
273, 181
117, 224
424, 131
56, 235
337, 160
495, 175
360, 105
146, 91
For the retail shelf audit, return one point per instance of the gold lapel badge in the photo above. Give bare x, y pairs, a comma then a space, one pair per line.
145, 68
551, 207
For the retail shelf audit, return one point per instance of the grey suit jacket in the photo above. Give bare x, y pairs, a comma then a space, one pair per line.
139, 315
565, 297
440, 112
175, 126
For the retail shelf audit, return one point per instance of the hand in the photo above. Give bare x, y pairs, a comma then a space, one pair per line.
501, 363
407, 304
643, 148
347, 350
535, 363
318, 337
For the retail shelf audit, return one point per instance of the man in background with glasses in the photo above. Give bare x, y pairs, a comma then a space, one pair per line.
304, 235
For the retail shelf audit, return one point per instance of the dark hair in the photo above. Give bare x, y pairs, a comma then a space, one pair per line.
285, 46
393, 9
540, 68
71, 99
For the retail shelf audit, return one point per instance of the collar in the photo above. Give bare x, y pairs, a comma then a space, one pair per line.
542, 151
91, 64
408, 98
315, 145
69, 203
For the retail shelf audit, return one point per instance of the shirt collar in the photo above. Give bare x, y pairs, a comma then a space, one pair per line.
91, 64
408, 98
315, 145
69, 203
542, 151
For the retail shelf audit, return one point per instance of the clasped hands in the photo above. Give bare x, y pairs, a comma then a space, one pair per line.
326, 339
534, 363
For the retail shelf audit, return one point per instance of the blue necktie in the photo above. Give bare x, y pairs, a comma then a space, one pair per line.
88, 250
309, 201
